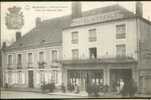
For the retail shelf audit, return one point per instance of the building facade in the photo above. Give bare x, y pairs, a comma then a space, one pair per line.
102, 47
35, 58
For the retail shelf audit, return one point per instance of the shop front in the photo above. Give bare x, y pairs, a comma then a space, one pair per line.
88, 73
85, 78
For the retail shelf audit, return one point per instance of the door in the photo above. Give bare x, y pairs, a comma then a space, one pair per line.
117, 74
30, 79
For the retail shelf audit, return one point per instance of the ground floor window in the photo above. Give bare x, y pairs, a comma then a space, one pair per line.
19, 77
42, 77
55, 76
83, 78
10, 77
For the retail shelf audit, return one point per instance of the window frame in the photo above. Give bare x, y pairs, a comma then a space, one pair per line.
41, 59
74, 38
92, 38
10, 60
19, 63
95, 56
121, 51
52, 55
73, 55
120, 35
30, 61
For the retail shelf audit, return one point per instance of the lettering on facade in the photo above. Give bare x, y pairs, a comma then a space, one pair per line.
14, 19
96, 18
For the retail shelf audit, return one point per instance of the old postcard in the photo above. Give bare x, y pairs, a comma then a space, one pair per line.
75, 49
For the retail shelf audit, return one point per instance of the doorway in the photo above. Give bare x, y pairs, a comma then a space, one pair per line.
30, 79
117, 74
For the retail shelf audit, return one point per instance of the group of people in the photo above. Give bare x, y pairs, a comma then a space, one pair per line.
126, 87
71, 87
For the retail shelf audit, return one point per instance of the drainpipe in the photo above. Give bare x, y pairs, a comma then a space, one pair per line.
138, 51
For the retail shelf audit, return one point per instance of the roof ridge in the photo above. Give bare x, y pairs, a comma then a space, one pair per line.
88, 11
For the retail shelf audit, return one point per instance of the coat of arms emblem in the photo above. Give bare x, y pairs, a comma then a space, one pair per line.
14, 19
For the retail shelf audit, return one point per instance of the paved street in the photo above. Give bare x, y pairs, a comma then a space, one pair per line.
13, 94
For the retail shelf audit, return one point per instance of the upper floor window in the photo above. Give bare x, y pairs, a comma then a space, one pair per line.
19, 59
54, 55
30, 58
120, 31
92, 35
93, 53
75, 54
120, 50
74, 37
10, 59
41, 56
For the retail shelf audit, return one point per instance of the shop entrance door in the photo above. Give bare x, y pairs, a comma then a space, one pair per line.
117, 74
30, 79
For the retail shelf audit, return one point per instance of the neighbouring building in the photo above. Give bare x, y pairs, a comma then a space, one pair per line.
105, 45
35, 58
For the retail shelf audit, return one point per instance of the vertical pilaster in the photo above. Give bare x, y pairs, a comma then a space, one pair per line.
106, 75
64, 77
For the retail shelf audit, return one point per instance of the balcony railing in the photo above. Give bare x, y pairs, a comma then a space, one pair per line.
19, 66
42, 65
120, 36
30, 65
11, 66
74, 41
92, 39
101, 60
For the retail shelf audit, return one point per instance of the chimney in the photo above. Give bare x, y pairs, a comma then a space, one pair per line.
18, 35
4, 45
139, 9
38, 21
76, 10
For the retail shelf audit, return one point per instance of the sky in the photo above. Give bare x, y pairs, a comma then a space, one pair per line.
49, 10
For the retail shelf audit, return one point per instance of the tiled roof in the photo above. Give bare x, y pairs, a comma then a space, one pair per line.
49, 32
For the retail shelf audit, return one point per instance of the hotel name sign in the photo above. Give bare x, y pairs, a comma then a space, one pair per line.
97, 18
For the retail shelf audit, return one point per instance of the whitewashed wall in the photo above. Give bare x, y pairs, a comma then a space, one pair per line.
106, 40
